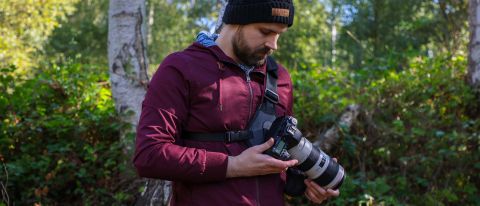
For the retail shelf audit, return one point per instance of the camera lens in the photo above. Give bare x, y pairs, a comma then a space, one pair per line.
317, 165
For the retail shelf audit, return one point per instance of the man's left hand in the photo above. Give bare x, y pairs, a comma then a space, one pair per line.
317, 194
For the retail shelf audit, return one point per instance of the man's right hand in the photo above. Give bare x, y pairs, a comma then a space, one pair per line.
253, 162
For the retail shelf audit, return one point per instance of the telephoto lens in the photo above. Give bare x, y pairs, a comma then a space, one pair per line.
316, 164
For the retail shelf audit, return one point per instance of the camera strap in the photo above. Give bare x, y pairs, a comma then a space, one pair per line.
256, 129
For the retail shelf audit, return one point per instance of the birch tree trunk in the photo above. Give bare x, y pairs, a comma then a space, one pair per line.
473, 76
127, 59
128, 63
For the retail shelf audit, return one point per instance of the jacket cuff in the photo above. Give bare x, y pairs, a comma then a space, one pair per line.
216, 166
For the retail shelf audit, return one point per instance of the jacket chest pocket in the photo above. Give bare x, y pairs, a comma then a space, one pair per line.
217, 103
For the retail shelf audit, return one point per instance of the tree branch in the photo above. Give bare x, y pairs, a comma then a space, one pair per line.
329, 138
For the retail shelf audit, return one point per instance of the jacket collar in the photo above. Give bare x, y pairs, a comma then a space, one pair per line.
222, 57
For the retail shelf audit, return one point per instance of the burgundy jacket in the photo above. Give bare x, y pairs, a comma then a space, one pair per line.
201, 89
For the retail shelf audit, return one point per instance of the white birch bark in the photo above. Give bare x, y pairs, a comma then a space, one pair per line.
127, 58
128, 63
474, 46
151, 20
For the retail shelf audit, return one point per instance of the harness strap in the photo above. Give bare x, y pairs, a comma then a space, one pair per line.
230, 136
270, 96
272, 76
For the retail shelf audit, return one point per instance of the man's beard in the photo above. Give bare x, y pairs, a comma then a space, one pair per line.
249, 56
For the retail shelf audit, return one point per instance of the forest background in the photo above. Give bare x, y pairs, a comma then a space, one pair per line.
416, 140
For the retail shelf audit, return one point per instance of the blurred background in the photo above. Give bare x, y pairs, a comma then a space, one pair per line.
416, 140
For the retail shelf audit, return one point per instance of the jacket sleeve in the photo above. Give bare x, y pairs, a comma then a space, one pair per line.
159, 152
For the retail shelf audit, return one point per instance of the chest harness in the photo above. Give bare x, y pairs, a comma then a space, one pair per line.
261, 121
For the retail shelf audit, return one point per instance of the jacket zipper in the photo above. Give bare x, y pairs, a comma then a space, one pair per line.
258, 191
249, 84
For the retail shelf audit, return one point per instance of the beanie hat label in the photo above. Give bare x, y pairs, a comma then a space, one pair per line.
280, 12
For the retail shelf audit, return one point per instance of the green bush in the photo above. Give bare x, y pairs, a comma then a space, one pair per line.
59, 137
421, 145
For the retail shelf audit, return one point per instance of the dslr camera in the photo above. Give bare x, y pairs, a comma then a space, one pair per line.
313, 162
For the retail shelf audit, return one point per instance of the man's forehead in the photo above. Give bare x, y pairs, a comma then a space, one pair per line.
276, 27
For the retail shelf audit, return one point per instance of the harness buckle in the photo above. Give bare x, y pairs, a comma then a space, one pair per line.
271, 96
231, 135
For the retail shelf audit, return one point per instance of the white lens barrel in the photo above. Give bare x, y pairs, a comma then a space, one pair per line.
301, 151
319, 167
337, 179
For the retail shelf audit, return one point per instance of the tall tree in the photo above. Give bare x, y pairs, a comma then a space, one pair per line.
127, 58
128, 64
474, 46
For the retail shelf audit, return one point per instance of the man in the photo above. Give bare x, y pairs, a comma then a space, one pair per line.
215, 86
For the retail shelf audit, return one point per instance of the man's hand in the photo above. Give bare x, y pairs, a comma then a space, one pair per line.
252, 162
317, 194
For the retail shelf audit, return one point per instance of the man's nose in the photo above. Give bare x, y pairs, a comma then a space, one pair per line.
272, 42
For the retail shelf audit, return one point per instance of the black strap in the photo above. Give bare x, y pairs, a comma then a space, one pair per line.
230, 136
270, 96
270, 99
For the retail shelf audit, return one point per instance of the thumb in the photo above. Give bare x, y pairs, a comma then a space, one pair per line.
266, 145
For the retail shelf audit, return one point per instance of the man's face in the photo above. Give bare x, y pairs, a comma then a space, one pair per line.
252, 43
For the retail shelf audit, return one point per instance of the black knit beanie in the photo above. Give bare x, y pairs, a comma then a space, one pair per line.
259, 11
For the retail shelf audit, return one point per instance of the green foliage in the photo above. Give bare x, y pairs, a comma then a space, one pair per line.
417, 145
82, 35
25, 26
320, 94
59, 136
307, 41
379, 34
174, 26
422, 142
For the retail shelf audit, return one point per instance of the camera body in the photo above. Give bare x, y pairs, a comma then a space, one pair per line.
290, 144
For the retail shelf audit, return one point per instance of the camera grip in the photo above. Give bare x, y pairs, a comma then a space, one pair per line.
295, 185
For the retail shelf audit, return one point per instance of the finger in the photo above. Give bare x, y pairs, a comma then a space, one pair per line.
281, 164
333, 193
334, 159
292, 163
266, 145
311, 184
312, 197
307, 194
